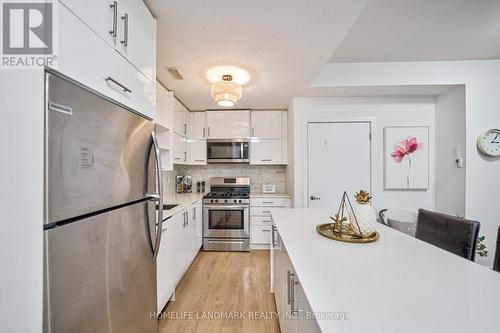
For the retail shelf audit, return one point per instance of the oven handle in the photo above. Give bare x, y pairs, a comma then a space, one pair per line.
223, 207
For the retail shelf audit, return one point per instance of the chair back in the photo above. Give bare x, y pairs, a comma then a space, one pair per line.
496, 262
451, 233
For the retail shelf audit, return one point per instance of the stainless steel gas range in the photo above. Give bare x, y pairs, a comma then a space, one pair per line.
226, 215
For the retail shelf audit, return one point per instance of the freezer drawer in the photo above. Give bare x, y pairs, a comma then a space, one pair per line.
100, 274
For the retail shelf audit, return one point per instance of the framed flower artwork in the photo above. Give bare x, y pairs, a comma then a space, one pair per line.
406, 158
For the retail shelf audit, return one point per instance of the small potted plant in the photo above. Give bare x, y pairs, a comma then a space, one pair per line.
203, 186
198, 186
481, 247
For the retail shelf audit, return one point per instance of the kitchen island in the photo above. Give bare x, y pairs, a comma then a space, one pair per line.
396, 284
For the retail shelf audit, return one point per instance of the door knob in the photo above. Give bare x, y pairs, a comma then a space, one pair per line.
312, 197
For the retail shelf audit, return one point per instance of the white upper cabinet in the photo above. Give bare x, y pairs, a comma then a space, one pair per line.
181, 119
164, 110
269, 137
136, 36
198, 125
228, 124
180, 149
198, 155
126, 25
86, 58
266, 124
266, 152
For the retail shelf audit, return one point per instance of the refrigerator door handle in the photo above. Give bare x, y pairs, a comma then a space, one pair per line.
158, 197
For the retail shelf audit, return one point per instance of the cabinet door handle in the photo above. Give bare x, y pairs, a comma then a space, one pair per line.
253, 131
203, 131
114, 8
185, 128
110, 79
209, 131
125, 29
185, 156
288, 294
275, 242
293, 282
194, 213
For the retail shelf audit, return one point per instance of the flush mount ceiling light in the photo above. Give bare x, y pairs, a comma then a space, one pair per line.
240, 76
226, 92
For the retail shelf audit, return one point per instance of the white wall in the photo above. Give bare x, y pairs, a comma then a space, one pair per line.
21, 200
450, 134
482, 100
382, 112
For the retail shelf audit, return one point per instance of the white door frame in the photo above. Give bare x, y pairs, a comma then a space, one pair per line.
305, 151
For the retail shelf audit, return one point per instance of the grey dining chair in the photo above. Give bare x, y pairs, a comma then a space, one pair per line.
451, 233
496, 261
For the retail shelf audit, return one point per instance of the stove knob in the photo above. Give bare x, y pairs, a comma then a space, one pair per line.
235, 201
225, 200
239, 201
211, 200
216, 200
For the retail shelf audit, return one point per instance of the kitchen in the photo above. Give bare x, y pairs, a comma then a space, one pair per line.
178, 166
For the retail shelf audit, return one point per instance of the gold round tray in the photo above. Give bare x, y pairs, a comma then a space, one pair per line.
326, 230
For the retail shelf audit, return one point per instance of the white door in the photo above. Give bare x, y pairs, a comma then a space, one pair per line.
338, 160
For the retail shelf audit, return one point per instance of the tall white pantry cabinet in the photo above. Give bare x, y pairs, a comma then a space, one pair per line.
121, 67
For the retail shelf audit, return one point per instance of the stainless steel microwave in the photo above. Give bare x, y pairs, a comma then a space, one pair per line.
227, 151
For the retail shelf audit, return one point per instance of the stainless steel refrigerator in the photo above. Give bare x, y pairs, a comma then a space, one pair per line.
102, 230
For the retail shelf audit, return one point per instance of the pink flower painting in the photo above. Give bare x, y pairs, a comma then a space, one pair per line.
403, 150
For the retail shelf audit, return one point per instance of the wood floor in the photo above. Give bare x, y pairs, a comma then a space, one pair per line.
223, 284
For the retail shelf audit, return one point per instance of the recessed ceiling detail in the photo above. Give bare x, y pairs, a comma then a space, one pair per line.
281, 44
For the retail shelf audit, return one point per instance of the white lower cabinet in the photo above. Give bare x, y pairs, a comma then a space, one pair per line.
180, 243
260, 219
295, 314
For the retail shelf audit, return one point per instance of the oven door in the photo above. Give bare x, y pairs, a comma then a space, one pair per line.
226, 221
227, 151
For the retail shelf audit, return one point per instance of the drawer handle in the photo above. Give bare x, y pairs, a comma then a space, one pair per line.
199, 160
266, 211
268, 203
267, 221
125, 89
266, 160
266, 230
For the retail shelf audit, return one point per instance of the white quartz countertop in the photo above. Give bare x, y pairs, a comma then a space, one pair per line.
396, 284
269, 195
183, 200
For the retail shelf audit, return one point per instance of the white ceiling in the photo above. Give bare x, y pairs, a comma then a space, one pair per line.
423, 30
282, 43
285, 43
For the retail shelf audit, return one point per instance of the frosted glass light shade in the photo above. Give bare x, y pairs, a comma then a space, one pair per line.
226, 93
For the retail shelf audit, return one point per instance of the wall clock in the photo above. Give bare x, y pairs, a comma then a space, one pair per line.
488, 142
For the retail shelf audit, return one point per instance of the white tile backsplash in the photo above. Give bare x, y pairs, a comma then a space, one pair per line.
258, 174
